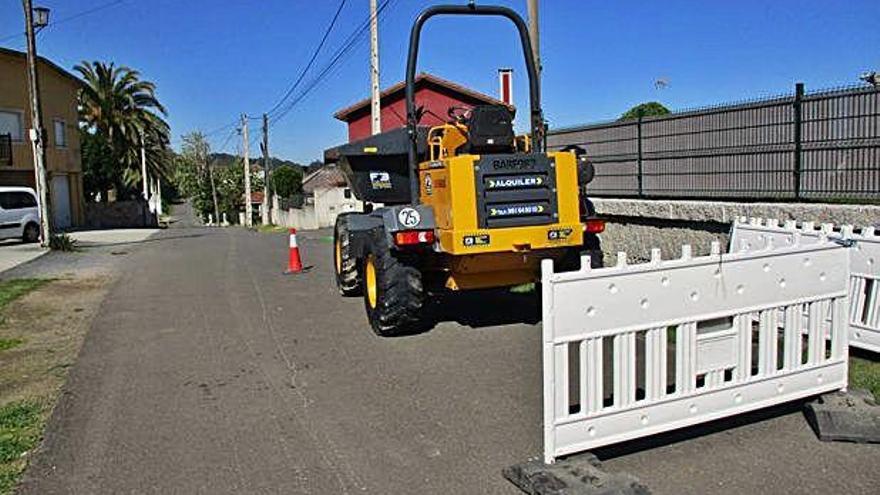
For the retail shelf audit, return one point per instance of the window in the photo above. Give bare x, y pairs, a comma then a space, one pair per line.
60, 133
15, 200
27, 200
11, 123
346, 193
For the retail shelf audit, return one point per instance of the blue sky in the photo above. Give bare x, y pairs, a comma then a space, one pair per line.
213, 60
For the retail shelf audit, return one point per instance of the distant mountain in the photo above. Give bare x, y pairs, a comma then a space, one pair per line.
226, 160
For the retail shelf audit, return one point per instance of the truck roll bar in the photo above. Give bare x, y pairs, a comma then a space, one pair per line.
536, 117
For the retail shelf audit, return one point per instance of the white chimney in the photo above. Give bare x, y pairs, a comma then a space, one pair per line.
505, 86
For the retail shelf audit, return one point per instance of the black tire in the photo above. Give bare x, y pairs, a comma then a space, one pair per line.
31, 233
345, 265
593, 247
571, 261
399, 298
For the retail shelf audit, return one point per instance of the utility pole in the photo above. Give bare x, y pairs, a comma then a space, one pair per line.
248, 208
210, 167
37, 132
375, 109
146, 188
533, 34
267, 219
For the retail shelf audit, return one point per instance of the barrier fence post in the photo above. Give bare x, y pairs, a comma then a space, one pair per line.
798, 118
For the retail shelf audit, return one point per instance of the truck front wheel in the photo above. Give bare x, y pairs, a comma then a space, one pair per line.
393, 291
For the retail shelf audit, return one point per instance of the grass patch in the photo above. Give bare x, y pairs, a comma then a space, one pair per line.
6, 344
864, 373
20, 427
523, 288
11, 290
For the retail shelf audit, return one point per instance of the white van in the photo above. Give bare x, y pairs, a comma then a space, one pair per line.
19, 215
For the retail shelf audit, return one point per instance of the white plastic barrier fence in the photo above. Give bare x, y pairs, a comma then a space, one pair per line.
634, 350
864, 287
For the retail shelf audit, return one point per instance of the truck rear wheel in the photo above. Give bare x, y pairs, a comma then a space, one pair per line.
393, 290
345, 264
592, 246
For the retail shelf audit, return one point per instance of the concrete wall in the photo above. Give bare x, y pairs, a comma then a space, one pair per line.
636, 226
329, 203
299, 218
119, 214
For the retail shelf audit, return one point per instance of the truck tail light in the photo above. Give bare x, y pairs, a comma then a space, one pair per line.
594, 226
413, 237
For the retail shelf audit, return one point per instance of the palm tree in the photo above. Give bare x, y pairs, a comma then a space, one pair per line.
118, 106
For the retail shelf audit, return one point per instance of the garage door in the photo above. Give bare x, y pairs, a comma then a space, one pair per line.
60, 201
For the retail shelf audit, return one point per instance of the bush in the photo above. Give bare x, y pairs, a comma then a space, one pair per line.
62, 242
286, 181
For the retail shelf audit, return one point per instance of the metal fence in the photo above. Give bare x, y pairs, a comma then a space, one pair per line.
6, 150
821, 145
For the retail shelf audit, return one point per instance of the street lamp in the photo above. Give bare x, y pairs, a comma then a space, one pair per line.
41, 17
37, 18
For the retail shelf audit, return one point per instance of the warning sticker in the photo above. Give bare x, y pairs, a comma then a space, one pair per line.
475, 240
380, 180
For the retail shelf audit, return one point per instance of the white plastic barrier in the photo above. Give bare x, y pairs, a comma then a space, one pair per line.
864, 287
634, 350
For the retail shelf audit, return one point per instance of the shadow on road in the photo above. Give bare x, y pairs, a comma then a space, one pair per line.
691, 432
93, 244
485, 308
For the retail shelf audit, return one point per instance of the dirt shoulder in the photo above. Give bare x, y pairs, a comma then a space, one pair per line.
42, 333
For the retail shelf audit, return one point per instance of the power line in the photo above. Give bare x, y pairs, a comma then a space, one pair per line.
352, 40
70, 17
299, 79
314, 56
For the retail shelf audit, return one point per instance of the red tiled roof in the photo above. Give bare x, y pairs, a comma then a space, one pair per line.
421, 78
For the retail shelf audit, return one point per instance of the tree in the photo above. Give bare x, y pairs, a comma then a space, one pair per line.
649, 109
286, 181
119, 108
193, 173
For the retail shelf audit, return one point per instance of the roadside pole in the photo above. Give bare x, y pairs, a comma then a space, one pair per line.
144, 179
534, 35
209, 166
159, 195
37, 132
267, 168
248, 208
375, 107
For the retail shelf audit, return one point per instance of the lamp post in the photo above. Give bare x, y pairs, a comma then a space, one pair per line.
36, 19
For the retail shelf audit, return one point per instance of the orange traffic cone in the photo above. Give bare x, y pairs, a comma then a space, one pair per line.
294, 263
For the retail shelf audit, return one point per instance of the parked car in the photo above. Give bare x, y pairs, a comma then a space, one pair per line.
19, 215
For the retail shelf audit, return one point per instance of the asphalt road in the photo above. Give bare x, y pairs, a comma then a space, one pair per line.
209, 371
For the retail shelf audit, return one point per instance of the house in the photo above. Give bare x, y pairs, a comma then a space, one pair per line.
433, 93
327, 191
58, 91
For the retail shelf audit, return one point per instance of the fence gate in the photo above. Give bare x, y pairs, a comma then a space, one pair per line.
864, 286
635, 350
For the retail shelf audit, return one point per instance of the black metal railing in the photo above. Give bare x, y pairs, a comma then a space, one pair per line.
822, 145
6, 150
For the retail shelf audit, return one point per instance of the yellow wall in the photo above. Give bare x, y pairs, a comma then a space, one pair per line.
58, 93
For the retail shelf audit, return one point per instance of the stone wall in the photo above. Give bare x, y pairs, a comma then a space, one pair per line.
636, 226
119, 215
